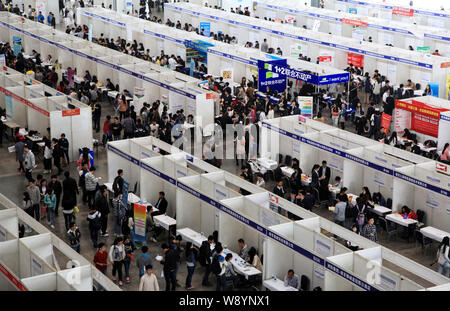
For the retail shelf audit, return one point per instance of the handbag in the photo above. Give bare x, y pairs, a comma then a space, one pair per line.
76, 210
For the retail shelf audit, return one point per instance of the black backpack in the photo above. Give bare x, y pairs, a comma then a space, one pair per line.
96, 223
202, 259
215, 265
349, 211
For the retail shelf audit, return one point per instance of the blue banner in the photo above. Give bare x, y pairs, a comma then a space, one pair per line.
206, 27
267, 77
17, 45
126, 186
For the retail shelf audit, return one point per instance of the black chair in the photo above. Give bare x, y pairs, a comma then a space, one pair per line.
316, 195
280, 158
278, 174
389, 203
420, 218
422, 240
304, 283
388, 227
288, 160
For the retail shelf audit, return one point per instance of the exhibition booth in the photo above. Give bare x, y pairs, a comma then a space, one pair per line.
37, 107
423, 187
37, 262
422, 115
391, 10
211, 201
112, 66
383, 31
397, 64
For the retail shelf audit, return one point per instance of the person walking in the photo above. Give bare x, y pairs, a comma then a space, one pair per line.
101, 260
129, 249
74, 236
101, 205
56, 152
47, 157
116, 129
69, 199
143, 261
148, 282
191, 262
116, 256
170, 266
27, 206
91, 183
64, 145
35, 197
19, 149
57, 187
370, 230
50, 202
118, 211
29, 161
94, 219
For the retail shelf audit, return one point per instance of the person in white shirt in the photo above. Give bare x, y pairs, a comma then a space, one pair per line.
116, 255
270, 113
443, 257
172, 62
148, 282
260, 181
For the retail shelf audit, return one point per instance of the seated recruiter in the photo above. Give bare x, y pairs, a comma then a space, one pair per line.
243, 249
292, 280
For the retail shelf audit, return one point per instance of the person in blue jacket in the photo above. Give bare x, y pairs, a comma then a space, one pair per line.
40, 17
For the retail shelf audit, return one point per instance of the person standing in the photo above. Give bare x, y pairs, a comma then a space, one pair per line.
69, 199
56, 152
101, 205
143, 261
74, 236
50, 202
116, 129
339, 211
106, 131
205, 259
35, 197
443, 259
47, 156
91, 186
101, 258
128, 126
170, 266
29, 161
118, 182
117, 208
129, 249
19, 149
116, 256
64, 145
148, 282
94, 219
191, 262
56, 186
370, 230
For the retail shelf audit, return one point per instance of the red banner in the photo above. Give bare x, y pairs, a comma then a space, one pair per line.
26, 102
402, 11
13, 280
355, 59
211, 96
354, 22
71, 112
420, 107
324, 59
385, 121
425, 124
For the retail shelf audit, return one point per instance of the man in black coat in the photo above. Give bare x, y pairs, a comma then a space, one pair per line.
69, 199
324, 180
101, 204
279, 189
118, 182
170, 267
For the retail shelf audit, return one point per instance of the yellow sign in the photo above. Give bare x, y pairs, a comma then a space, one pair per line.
448, 87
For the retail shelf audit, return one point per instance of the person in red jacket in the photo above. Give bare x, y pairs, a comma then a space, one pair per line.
106, 131
101, 260
409, 213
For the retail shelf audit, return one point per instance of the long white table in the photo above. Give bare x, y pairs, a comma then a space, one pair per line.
165, 221
267, 163
278, 286
192, 236
306, 180
397, 218
287, 171
434, 233
380, 210
241, 266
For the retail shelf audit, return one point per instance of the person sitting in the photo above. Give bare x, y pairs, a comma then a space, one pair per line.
406, 212
243, 249
378, 199
338, 183
292, 280
254, 260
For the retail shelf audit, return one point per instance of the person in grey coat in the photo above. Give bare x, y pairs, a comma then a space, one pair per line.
29, 162
19, 148
35, 197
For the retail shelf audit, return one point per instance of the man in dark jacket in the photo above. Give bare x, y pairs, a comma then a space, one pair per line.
170, 266
57, 153
69, 200
57, 187
64, 146
101, 204
118, 182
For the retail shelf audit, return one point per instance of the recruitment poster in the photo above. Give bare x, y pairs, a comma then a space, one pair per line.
140, 222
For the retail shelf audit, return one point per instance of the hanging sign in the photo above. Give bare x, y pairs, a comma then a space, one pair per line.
356, 59
71, 112
354, 22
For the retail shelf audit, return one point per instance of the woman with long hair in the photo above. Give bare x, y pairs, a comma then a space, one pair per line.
445, 153
191, 262
254, 259
442, 257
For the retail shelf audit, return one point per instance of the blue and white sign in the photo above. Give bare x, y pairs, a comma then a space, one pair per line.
267, 77
206, 28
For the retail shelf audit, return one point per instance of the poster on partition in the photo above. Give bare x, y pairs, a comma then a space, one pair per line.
17, 45
356, 59
305, 104
126, 187
220, 193
206, 28
425, 124
269, 219
9, 107
2, 235
289, 19
176, 101
316, 25
140, 218
396, 10
387, 283
447, 93
379, 178
90, 32
297, 49
227, 74
138, 98
36, 266
326, 57
385, 121
2, 60
402, 120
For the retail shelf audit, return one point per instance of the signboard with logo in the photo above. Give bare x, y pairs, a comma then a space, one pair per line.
396, 10
305, 104
268, 76
355, 59
443, 168
385, 121
448, 87
227, 74
206, 27
423, 49
354, 22
17, 45
325, 59
70, 112
353, 11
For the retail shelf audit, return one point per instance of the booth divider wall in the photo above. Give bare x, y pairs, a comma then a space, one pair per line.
389, 61
381, 30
